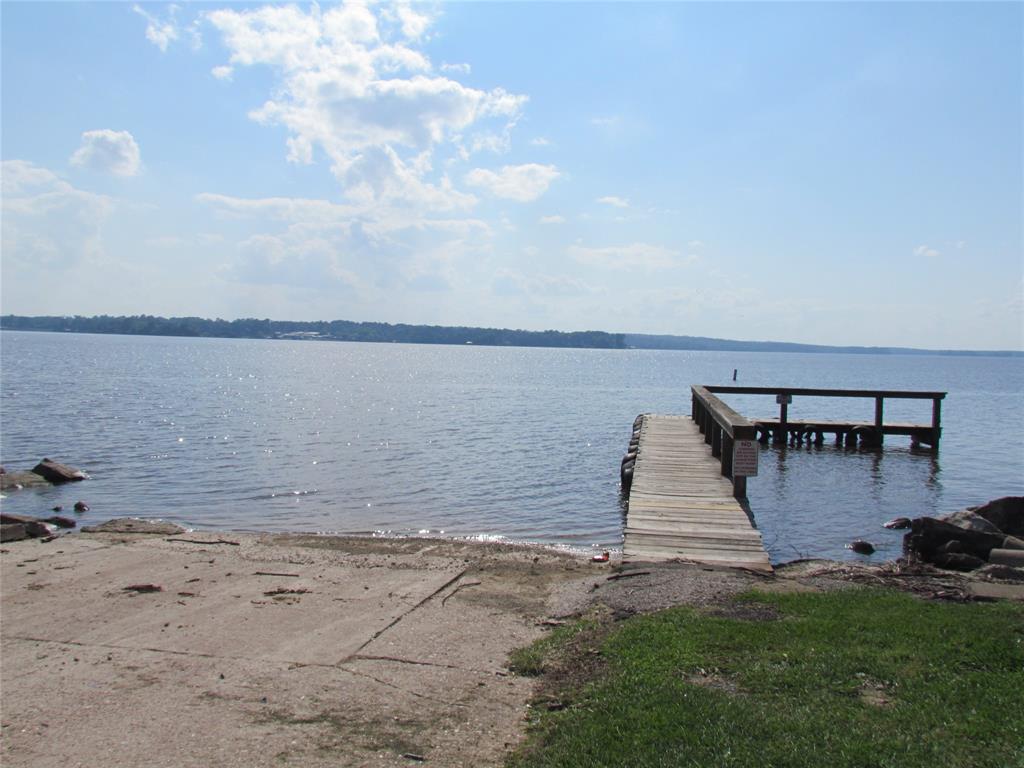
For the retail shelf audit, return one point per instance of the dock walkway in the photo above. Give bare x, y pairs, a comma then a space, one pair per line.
680, 505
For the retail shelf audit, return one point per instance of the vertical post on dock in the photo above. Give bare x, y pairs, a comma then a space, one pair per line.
782, 435
739, 487
878, 419
936, 422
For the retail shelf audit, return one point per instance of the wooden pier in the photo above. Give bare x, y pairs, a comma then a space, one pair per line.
864, 433
680, 505
685, 477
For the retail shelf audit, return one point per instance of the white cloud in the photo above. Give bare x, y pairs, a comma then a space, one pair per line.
924, 250
515, 182
414, 23
552, 219
635, 256
223, 72
459, 69
490, 142
605, 122
47, 221
540, 141
350, 83
617, 202
695, 244
315, 215
108, 151
160, 32
289, 209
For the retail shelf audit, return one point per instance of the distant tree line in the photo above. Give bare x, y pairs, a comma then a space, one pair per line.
334, 330
700, 343
347, 330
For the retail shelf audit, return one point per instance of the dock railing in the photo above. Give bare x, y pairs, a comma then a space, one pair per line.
869, 433
722, 427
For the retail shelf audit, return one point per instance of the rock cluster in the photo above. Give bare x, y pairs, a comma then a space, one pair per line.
17, 527
46, 472
972, 538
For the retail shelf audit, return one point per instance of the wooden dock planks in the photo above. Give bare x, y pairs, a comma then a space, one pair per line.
680, 506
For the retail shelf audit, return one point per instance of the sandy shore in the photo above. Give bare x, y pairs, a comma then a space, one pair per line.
263, 650
276, 650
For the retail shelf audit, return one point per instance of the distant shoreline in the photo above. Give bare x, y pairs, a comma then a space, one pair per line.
346, 330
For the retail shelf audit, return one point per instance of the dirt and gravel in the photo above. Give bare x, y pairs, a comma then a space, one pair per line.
197, 649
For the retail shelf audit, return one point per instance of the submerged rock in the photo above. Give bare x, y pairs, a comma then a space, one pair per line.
897, 523
862, 547
13, 481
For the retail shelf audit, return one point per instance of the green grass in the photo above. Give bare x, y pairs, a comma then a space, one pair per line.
531, 660
848, 678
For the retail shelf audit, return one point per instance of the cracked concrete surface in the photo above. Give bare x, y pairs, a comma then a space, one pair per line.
282, 650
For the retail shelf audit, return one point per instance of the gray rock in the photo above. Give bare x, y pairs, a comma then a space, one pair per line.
967, 519
1007, 514
953, 545
927, 535
12, 532
13, 481
997, 572
57, 473
862, 547
958, 561
135, 525
33, 526
10, 517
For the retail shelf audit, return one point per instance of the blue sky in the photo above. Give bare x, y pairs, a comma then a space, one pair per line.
817, 172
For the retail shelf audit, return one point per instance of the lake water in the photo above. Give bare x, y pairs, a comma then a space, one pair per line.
514, 443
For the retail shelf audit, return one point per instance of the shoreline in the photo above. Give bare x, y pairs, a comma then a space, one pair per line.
253, 649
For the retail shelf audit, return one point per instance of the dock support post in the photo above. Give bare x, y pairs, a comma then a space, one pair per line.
727, 445
936, 423
782, 433
879, 435
739, 487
